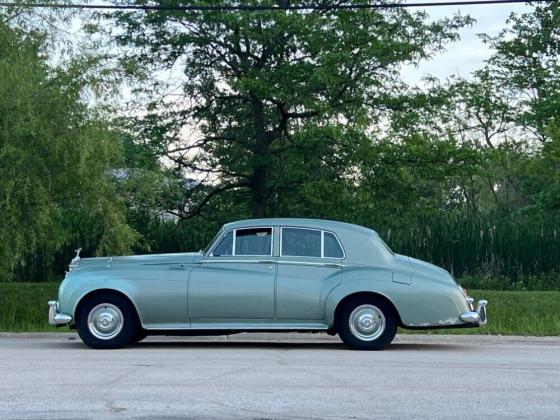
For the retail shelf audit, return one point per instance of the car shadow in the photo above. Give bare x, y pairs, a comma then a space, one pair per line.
239, 345
426, 346
164, 342
285, 345
73, 344
288, 345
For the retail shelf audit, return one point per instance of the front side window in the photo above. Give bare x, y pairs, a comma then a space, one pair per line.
225, 247
256, 241
301, 242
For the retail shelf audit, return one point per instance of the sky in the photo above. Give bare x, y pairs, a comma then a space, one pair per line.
467, 54
461, 57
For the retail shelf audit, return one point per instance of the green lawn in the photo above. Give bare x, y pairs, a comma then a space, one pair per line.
23, 307
514, 313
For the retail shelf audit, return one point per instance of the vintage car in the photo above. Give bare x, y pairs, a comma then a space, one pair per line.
264, 275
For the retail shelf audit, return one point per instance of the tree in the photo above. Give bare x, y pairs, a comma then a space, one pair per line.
56, 159
526, 63
260, 90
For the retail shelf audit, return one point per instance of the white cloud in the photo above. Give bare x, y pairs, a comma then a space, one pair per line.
467, 54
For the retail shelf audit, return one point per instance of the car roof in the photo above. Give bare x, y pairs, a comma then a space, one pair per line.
298, 222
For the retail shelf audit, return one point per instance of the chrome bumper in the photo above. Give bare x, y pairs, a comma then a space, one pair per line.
55, 316
478, 315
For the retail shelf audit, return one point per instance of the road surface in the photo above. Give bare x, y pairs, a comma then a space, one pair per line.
277, 376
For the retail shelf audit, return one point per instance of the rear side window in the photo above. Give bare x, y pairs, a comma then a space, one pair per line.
301, 242
332, 247
257, 241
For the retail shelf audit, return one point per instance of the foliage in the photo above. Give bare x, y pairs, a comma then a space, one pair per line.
23, 306
56, 157
277, 100
526, 63
284, 113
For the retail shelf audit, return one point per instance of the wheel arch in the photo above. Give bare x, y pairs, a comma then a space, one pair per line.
366, 293
95, 292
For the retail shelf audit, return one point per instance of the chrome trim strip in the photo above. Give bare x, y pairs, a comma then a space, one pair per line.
316, 264
264, 327
55, 316
321, 264
224, 261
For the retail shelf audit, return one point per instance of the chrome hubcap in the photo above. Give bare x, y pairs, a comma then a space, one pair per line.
367, 322
105, 321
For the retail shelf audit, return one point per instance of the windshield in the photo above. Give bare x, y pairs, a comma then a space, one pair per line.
205, 252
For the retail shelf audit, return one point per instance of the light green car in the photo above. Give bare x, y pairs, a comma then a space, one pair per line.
264, 275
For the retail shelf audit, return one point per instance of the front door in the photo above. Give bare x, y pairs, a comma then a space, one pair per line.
235, 283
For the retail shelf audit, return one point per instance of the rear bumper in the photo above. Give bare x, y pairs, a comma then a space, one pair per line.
476, 316
470, 319
55, 316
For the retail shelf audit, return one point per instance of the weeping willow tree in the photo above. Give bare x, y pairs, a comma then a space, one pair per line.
56, 158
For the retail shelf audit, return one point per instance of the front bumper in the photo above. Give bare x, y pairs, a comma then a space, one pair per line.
476, 316
55, 316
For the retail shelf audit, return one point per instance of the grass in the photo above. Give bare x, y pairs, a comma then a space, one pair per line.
514, 313
23, 307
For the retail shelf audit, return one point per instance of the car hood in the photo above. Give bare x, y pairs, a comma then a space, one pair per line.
150, 259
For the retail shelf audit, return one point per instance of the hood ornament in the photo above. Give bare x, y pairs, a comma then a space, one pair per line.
75, 260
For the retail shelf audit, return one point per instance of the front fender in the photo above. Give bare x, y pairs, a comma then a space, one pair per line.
160, 298
75, 287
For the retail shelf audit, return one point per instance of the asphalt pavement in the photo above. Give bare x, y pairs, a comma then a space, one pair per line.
278, 376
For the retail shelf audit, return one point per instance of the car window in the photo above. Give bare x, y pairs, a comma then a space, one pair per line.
225, 247
301, 242
332, 248
257, 241
212, 242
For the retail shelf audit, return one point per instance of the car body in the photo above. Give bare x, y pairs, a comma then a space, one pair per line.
264, 275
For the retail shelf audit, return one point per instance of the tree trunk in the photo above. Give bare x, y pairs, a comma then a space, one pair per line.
258, 198
260, 172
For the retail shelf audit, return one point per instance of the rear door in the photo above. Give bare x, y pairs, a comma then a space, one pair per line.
309, 267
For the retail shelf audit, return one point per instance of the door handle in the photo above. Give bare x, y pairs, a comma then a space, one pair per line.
175, 267
332, 265
269, 262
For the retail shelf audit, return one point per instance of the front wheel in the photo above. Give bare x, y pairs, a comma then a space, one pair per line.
366, 323
106, 321
140, 335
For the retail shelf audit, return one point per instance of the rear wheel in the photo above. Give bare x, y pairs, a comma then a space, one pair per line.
366, 323
106, 321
